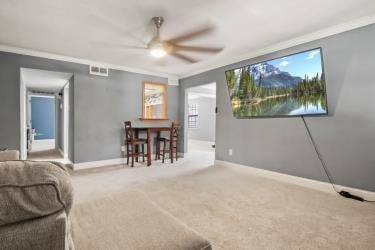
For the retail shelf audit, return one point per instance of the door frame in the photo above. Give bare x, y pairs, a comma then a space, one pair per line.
66, 111
186, 114
23, 114
23, 107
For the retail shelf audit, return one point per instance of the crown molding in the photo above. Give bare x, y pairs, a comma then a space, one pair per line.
52, 56
333, 30
226, 61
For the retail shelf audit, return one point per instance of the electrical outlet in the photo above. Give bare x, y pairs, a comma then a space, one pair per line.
123, 148
230, 152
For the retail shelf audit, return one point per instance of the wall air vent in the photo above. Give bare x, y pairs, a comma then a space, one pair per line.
97, 70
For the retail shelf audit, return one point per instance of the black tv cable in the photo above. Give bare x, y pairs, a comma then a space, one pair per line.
343, 193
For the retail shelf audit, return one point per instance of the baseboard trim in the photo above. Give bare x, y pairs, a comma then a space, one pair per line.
61, 152
103, 163
300, 181
97, 164
180, 155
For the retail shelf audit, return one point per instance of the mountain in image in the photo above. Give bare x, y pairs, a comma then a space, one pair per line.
272, 76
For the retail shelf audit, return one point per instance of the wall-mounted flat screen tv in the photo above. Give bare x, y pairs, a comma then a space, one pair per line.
292, 85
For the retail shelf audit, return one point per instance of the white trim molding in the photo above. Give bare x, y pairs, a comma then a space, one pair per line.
333, 30
58, 57
105, 163
97, 164
300, 181
61, 152
173, 80
23, 118
66, 117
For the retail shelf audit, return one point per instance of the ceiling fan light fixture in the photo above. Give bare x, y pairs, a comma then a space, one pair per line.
157, 50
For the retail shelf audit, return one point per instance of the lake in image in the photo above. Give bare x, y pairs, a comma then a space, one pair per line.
285, 105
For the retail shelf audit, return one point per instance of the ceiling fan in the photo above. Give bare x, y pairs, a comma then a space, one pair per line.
160, 48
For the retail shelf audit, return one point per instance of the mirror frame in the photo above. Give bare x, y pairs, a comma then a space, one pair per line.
165, 110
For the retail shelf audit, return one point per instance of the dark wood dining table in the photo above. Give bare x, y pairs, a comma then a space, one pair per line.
149, 131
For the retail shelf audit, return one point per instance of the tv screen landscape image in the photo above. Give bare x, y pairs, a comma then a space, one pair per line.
292, 85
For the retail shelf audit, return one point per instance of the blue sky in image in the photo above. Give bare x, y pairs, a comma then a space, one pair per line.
306, 63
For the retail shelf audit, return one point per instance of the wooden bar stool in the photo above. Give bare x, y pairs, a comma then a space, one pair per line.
132, 144
172, 142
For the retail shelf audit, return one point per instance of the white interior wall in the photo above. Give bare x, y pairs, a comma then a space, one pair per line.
205, 130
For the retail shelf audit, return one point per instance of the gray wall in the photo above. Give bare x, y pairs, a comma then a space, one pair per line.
206, 119
100, 105
346, 137
9, 103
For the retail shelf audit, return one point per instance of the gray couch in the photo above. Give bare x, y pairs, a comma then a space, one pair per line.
35, 202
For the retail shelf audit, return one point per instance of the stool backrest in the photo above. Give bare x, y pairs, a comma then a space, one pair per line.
175, 129
129, 135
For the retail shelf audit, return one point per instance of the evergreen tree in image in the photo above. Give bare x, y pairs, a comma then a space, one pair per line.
231, 81
253, 87
259, 88
249, 85
243, 84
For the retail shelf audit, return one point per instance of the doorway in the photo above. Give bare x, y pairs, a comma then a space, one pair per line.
45, 115
201, 119
42, 122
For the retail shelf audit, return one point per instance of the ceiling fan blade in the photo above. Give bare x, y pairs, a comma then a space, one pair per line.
197, 49
190, 35
183, 57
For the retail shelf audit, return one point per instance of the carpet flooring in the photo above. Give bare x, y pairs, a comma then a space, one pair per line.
49, 155
234, 209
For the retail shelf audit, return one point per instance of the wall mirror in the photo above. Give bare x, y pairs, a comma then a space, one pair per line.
154, 106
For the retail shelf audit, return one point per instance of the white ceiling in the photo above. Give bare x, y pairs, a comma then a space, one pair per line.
103, 31
43, 80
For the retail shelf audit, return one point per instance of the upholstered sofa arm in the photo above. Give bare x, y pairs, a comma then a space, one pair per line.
31, 190
9, 155
50, 232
